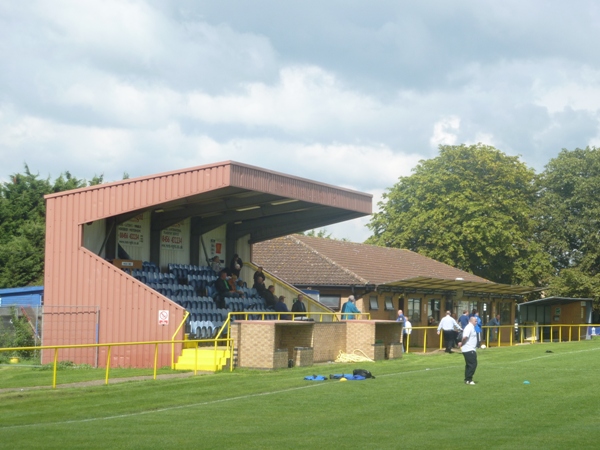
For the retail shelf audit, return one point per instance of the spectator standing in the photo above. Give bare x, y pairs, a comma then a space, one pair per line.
495, 322
235, 266
406, 331
215, 264
477, 326
280, 306
259, 287
349, 307
463, 320
449, 326
223, 289
299, 307
468, 346
401, 317
259, 273
270, 296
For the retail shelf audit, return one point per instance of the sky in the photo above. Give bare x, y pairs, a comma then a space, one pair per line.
345, 92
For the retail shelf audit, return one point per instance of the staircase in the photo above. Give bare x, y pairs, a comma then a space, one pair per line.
205, 359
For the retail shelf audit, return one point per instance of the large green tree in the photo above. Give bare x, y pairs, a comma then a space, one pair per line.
569, 209
23, 224
569, 218
470, 207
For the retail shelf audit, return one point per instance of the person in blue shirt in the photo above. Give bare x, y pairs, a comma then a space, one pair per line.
401, 317
280, 306
477, 326
349, 307
463, 320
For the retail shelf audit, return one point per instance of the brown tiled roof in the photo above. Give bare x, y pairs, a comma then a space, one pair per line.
307, 261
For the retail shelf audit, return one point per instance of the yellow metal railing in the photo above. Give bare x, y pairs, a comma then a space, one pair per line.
245, 315
498, 335
227, 342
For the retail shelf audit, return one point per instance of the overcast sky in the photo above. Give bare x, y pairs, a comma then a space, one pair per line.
351, 93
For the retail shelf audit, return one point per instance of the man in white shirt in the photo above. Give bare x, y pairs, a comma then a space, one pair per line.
406, 331
468, 346
448, 325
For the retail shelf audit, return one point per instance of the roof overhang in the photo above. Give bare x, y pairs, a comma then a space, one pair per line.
249, 200
438, 284
555, 301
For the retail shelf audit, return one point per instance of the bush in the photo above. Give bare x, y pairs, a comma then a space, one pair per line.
21, 335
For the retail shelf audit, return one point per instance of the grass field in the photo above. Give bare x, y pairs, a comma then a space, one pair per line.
417, 402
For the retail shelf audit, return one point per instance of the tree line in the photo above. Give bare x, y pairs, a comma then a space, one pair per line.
472, 207
23, 224
482, 211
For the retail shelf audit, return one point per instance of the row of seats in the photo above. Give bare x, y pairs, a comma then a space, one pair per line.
183, 270
192, 287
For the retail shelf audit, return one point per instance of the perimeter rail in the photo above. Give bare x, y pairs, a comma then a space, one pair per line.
295, 317
507, 335
216, 342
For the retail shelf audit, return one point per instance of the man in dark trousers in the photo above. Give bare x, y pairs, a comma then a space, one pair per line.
299, 307
449, 326
468, 346
223, 289
280, 306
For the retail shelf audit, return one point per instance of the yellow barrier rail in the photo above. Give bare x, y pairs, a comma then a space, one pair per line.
509, 335
245, 315
227, 342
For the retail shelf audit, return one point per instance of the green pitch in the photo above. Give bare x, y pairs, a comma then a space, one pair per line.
417, 402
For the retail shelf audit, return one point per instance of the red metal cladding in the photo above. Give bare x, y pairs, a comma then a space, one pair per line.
125, 310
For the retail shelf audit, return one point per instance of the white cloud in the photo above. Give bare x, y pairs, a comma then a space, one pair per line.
444, 131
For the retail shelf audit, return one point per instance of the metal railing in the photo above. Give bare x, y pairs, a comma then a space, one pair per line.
509, 335
261, 315
216, 342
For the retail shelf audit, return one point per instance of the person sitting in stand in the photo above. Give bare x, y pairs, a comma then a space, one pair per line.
235, 266
259, 273
259, 287
270, 296
215, 264
223, 289
233, 287
299, 307
280, 306
349, 307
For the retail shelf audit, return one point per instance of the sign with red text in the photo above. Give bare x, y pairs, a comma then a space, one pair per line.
163, 317
172, 238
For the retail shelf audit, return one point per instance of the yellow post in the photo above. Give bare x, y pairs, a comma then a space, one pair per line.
499, 335
559, 334
108, 364
441, 334
425, 340
570, 332
185, 316
215, 355
54, 371
578, 333
511, 333
521, 334
155, 359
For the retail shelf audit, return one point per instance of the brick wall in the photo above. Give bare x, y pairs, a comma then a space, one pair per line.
256, 347
270, 344
328, 340
360, 335
303, 356
289, 336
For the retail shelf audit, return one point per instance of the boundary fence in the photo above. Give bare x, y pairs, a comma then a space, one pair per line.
507, 335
